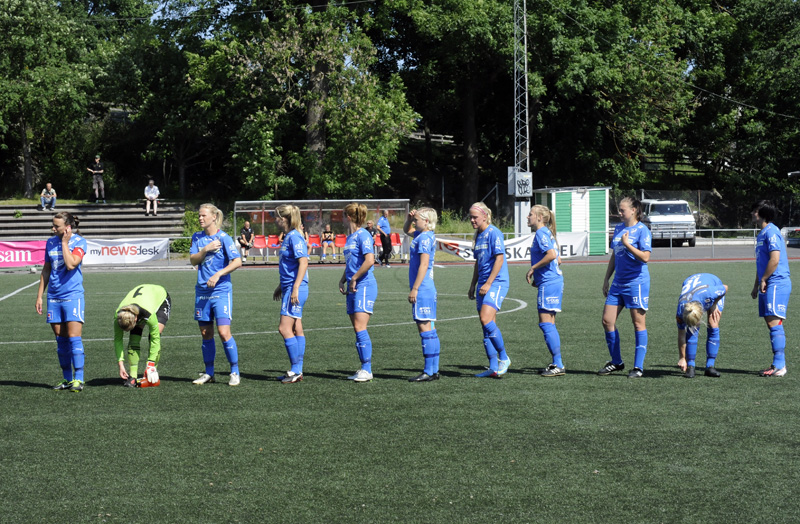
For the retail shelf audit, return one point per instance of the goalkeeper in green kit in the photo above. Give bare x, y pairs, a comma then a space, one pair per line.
146, 305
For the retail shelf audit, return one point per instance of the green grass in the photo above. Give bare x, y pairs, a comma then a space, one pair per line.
579, 448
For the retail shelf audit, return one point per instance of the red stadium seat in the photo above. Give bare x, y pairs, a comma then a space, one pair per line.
273, 243
314, 242
260, 243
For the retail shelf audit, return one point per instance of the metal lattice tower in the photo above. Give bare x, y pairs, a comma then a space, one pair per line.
521, 135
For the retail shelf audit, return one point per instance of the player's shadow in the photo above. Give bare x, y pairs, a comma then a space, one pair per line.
24, 384
105, 381
271, 375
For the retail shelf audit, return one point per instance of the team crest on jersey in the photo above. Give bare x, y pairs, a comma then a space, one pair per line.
196, 312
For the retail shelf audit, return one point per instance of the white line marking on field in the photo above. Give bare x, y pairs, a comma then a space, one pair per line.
17, 291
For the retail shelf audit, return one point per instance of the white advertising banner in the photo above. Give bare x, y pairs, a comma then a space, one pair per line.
569, 244
125, 250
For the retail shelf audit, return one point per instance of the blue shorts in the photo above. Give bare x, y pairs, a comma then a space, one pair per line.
425, 308
363, 300
720, 306
215, 306
497, 293
293, 310
65, 310
633, 296
550, 296
775, 301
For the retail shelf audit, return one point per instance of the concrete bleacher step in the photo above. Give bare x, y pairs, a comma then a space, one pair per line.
116, 220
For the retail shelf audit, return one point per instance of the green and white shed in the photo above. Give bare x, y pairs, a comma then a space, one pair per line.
579, 209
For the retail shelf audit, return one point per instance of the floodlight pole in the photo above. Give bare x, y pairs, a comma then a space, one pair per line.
522, 204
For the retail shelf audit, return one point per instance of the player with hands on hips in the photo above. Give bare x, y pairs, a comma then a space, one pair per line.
63, 278
292, 291
216, 257
490, 279
545, 274
422, 294
700, 293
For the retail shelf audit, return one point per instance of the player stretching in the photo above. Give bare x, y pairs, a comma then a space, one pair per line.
359, 284
216, 257
63, 278
292, 290
423, 292
700, 293
773, 284
545, 274
490, 277
631, 247
145, 305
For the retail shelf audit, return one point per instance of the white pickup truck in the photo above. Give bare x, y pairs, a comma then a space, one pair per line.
670, 220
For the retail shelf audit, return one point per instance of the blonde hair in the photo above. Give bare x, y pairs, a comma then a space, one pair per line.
547, 217
483, 208
291, 214
357, 213
429, 214
692, 314
214, 211
127, 316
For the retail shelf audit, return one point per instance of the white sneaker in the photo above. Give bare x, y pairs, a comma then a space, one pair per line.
244, 259
234, 380
362, 375
205, 378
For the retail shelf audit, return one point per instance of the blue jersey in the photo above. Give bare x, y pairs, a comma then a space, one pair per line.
292, 250
702, 287
64, 283
544, 241
383, 224
488, 245
358, 245
627, 268
213, 262
424, 242
768, 240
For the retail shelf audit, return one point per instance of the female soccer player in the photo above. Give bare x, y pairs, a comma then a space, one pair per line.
631, 246
145, 305
773, 284
490, 276
63, 278
545, 274
216, 257
423, 292
700, 293
292, 290
327, 242
359, 284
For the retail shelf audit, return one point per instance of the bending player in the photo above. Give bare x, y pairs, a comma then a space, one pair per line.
146, 305
700, 293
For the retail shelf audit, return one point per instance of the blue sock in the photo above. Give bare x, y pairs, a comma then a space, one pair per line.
232, 352
553, 341
641, 349
691, 346
712, 346
78, 357
778, 339
291, 350
209, 354
430, 350
612, 341
64, 352
301, 353
492, 332
491, 353
364, 347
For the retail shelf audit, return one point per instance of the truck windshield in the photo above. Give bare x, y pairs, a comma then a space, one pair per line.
670, 209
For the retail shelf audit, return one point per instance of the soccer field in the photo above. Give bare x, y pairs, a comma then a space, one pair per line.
577, 448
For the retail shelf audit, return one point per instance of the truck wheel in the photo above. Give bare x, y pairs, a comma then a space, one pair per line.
677, 242
692, 242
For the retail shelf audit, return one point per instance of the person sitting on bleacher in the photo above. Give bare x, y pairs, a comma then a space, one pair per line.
48, 197
151, 195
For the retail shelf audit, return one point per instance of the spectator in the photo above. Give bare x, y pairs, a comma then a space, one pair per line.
151, 195
96, 169
386, 242
245, 239
370, 227
48, 197
328, 241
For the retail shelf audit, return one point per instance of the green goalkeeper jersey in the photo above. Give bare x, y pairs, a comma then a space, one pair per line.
149, 298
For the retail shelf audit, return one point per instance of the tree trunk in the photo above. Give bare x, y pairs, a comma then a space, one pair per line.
28, 181
469, 188
315, 112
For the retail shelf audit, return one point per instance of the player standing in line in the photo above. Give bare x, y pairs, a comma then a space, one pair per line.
63, 278
773, 284
545, 274
216, 257
292, 291
700, 293
145, 305
359, 284
490, 277
423, 291
631, 246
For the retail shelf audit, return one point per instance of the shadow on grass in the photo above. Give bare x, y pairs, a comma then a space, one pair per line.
24, 384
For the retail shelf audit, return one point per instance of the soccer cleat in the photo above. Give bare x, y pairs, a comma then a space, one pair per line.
129, 382
362, 375
610, 367
234, 380
689, 372
711, 371
64, 384
291, 377
772, 372
490, 373
502, 366
424, 377
553, 371
636, 373
76, 386
204, 378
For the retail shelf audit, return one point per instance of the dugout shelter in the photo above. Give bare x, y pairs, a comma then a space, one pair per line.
579, 209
